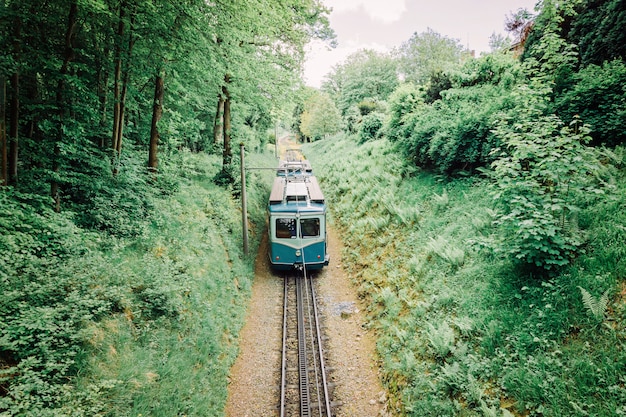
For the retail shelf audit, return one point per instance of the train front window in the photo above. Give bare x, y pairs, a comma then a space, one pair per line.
286, 228
309, 228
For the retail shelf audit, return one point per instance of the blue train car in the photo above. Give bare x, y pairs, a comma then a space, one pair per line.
297, 222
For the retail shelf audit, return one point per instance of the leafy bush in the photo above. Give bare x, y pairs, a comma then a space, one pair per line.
91, 322
543, 172
46, 302
403, 101
455, 131
513, 345
494, 69
370, 127
366, 107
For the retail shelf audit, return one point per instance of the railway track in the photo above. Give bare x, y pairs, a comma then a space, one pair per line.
304, 388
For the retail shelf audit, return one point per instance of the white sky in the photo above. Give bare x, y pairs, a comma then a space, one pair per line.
384, 24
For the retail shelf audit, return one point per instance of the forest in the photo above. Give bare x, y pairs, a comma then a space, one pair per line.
482, 207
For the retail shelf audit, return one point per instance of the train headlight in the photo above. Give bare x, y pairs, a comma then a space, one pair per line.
298, 252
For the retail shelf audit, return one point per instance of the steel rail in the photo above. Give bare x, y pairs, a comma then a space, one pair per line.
283, 371
321, 353
305, 396
306, 328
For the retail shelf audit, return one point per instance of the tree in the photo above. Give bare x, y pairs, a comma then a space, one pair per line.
548, 52
428, 53
598, 30
365, 75
519, 24
156, 116
499, 42
320, 117
262, 51
84, 79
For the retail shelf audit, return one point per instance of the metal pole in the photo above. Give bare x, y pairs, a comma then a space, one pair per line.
244, 207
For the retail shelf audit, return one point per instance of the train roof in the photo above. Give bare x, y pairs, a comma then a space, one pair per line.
287, 167
294, 154
302, 208
296, 189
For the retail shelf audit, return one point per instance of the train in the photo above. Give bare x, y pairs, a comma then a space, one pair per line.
297, 219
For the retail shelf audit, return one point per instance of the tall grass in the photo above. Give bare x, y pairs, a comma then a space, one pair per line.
142, 324
463, 332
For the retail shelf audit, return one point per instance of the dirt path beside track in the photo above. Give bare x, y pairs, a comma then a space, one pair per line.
254, 381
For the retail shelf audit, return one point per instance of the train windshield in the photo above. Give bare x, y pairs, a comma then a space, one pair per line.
309, 228
286, 228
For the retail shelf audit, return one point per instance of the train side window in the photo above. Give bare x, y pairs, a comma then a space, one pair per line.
285, 228
310, 228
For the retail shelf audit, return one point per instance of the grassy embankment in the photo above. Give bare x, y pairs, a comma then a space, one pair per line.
461, 331
145, 324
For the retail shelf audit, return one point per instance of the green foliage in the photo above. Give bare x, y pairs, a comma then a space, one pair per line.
438, 83
595, 306
547, 52
118, 204
543, 172
426, 54
406, 99
451, 254
108, 323
455, 132
596, 94
441, 339
319, 117
366, 75
370, 127
597, 31
366, 107
484, 337
495, 69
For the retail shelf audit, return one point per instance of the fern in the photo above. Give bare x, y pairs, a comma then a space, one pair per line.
440, 247
493, 411
441, 338
595, 306
441, 201
488, 411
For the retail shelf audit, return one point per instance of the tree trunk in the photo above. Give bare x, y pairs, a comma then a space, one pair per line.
13, 140
14, 128
157, 112
218, 125
103, 87
228, 153
4, 168
122, 114
123, 77
117, 119
68, 56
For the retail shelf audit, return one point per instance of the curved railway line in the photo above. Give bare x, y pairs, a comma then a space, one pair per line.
304, 388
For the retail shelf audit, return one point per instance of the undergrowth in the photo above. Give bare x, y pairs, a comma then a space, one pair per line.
136, 318
463, 331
